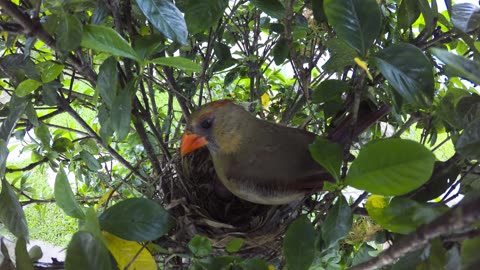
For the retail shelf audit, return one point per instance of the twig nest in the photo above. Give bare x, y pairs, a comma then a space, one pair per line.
202, 205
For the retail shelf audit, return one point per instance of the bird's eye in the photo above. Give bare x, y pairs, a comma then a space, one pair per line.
207, 123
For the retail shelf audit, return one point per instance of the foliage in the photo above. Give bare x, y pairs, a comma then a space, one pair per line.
127, 74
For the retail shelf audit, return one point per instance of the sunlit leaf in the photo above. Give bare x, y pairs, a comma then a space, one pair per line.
26, 87
391, 167
105, 39
178, 62
129, 253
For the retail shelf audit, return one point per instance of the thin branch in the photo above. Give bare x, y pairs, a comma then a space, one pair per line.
460, 217
28, 167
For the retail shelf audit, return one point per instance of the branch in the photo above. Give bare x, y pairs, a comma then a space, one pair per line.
28, 167
458, 218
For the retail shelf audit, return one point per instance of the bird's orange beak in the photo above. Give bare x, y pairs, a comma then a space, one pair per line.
191, 142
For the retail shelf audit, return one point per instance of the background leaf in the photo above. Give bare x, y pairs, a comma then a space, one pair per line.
64, 196
466, 16
166, 18
299, 243
357, 22
391, 167
11, 212
273, 8
465, 68
468, 144
201, 15
409, 72
178, 62
338, 223
200, 245
69, 33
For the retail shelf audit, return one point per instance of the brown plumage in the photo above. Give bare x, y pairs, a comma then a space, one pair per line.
256, 160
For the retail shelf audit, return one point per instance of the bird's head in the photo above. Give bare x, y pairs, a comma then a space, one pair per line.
214, 125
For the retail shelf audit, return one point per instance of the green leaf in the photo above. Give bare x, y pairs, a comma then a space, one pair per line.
408, 71
234, 245
201, 15
32, 114
255, 264
391, 167
338, 223
43, 134
357, 22
329, 90
105, 39
280, 51
49, 70
68, 33
91, 223
178, 62
64, 197
466, 16
299, 244
341, 55
90, 160
273, 8
87, 252
107, 81
328, 154
408, 13
470, 258
136, 219
62, 144
200, 245
464, 67
166, 18
468, 144
11, 212
22, 259
122, 111
401, 215
26, 87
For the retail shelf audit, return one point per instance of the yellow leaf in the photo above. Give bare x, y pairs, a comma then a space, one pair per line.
270, 267
364, 66
104, 199
125, 251
265, 100
376, 202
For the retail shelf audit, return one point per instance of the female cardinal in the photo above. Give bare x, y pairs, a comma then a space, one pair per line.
256, 160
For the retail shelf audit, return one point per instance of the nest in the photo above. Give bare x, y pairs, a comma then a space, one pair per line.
201, 205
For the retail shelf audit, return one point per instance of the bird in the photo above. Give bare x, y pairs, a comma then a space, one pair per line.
257, 160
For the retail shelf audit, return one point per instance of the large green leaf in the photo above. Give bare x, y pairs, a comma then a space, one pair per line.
107, 81
166, 18
338, 222
90, 160
409, 71
357, 22
464, 67
105, 39
136, 219
178, 62
391, 167
87, 252
11, 212
328, 154
466, 16
273, 8
299, 244
68, 33
200, 15
468, 144
401, 215
122, 111
64, 196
